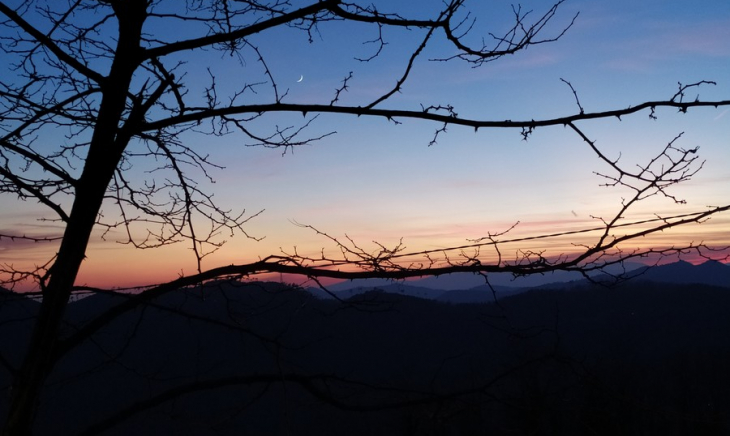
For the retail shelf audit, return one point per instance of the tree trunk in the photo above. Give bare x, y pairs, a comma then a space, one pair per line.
105, 152
40, 356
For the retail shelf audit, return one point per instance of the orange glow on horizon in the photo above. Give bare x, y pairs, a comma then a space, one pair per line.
109, 265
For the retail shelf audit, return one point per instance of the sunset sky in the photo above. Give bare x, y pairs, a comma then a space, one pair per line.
377, 181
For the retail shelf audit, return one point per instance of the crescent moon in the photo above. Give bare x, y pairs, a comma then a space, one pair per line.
300, 78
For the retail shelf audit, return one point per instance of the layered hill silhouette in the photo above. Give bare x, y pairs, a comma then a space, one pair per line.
471, 288
711, 273
237, 358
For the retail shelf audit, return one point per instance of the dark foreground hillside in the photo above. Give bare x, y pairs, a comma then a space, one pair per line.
235, 359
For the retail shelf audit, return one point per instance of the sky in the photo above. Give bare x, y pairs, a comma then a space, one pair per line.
377, 181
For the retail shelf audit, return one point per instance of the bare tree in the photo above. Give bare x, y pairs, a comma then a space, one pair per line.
95, 88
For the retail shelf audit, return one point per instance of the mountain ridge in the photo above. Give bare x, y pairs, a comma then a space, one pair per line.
474, 290
663, 345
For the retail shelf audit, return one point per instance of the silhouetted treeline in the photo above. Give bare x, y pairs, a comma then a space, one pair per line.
263, 358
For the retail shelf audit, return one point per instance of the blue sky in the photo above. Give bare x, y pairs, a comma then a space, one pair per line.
374, 180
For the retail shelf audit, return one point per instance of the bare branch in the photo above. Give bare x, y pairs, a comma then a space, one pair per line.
391, 114
227, 37
48, 43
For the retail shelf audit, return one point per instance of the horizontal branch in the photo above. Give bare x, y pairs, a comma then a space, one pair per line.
193, 117
373, 17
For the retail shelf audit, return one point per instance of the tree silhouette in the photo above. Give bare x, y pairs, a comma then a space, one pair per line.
108, 77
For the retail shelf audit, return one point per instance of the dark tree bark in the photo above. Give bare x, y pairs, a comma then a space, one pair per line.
105, 151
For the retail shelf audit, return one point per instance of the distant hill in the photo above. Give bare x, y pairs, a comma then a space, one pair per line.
479, 294
660, 340
710, 273
399, 288
17, 313
470, 288
461, 281
541, 362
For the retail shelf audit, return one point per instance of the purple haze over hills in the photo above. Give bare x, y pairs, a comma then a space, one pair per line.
470, 288
459, 281
711, 273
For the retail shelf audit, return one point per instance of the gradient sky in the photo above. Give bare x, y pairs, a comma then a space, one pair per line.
376, 181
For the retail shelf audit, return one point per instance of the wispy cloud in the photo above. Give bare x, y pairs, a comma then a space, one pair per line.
663, 41
25, 254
